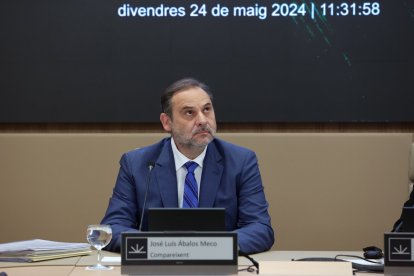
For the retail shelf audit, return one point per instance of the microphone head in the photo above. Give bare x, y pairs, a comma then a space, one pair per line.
151, 164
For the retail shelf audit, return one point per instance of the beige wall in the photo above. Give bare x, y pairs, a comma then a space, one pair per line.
326, 191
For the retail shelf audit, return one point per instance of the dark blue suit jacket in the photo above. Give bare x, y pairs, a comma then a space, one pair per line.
230, 179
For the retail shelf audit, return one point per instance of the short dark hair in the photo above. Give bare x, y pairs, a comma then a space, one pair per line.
178, 86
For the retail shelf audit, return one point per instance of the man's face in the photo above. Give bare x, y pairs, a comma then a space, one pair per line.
193, 122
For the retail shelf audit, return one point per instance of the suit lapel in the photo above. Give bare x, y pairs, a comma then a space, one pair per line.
211, 176
165, 176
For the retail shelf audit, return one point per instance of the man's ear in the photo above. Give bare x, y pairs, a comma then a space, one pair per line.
166, 122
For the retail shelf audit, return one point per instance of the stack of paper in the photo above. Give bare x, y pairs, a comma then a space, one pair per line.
41, 250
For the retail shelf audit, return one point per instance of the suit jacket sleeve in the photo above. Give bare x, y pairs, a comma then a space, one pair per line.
122, 210
255, 233
399, 224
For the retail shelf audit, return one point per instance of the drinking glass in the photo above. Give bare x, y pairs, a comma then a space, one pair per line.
98, 236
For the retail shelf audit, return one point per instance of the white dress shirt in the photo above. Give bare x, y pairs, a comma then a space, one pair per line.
180, 159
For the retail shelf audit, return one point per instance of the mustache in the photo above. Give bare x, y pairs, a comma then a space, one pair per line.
205, 128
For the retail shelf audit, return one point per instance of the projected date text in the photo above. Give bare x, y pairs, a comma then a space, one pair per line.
272, 10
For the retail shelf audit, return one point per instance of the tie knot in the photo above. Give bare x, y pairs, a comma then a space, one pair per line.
191, 166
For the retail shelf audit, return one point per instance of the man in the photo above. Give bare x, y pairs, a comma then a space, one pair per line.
226, 175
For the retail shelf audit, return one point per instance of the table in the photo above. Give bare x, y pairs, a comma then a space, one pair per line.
75, 266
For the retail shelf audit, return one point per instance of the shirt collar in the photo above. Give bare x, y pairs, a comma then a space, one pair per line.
180, 159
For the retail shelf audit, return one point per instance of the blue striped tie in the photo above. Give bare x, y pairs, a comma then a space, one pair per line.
190, 198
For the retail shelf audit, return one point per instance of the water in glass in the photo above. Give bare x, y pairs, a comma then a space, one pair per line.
99, 236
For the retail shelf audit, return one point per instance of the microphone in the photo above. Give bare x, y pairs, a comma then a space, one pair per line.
151, 165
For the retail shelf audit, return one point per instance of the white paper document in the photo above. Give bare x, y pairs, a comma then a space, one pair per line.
39, 250
116, 259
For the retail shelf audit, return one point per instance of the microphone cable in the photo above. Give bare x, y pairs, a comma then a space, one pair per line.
254, 263
377, 266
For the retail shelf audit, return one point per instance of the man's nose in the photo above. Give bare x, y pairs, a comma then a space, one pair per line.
201, 119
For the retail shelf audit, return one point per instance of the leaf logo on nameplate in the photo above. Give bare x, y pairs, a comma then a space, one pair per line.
137, 248
400, 249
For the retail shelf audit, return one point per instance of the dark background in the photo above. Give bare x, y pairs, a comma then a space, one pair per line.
79, 62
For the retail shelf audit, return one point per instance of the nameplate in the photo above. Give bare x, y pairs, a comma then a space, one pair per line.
399, 253
166, 253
